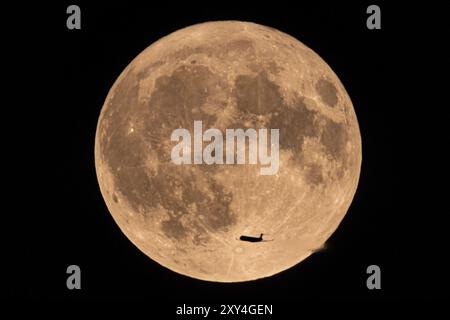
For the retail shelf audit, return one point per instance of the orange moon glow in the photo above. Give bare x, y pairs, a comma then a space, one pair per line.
189, 218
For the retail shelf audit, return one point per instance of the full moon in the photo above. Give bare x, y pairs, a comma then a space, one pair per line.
190, 217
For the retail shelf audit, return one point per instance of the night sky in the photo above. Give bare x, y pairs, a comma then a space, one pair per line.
65, 220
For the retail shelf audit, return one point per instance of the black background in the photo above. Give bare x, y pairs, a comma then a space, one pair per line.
63, 220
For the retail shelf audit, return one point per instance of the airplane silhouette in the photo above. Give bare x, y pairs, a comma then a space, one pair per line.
253, 239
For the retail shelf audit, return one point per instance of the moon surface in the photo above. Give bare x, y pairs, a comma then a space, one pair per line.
189, 218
